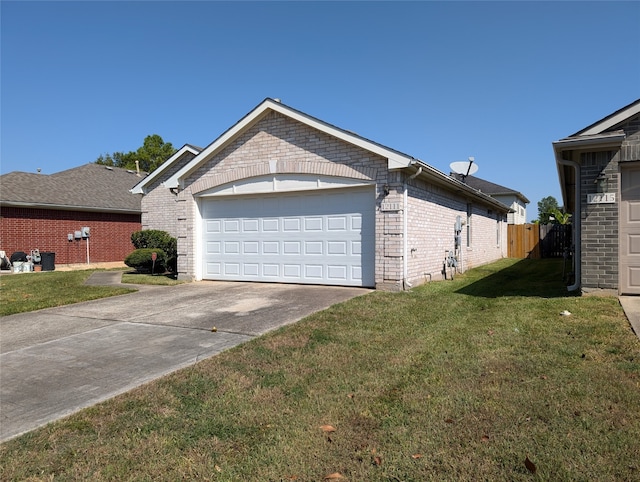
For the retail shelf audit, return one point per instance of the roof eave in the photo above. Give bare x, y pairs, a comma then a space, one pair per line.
448, 182
578, 143
67, 207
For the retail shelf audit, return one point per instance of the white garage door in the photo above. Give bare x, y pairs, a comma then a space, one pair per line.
316, 237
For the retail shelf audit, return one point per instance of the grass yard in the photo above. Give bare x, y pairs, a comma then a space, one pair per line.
479, 378
24, 292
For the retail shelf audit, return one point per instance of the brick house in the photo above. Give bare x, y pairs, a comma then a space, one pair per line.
285, 197
49, 212
599, 172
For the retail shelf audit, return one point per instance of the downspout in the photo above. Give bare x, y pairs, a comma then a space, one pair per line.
405, 230
577, 224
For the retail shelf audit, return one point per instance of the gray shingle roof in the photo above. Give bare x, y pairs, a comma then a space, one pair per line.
91, 187
489, 188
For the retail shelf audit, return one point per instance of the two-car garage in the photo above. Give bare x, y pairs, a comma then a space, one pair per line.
324, 236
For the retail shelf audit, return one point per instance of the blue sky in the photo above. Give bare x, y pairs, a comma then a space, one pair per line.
440, 81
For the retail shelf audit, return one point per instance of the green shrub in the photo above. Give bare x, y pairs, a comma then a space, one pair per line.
142, 261
155, 238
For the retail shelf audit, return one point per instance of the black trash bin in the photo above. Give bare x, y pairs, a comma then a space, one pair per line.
48, 261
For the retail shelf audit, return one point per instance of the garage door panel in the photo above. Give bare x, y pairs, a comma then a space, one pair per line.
231, 269
291, 225
320, 238
250, 247
213, 247
337, 223
313, 248
313, 271
270, 225
250, 226
270, 247
337, 273
337, 248
231, 247
213, 226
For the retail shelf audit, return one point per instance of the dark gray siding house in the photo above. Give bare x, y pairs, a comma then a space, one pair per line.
599, 172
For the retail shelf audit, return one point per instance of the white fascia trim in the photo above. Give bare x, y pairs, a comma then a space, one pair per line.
614, 120
397, 159
140, 187
594, 140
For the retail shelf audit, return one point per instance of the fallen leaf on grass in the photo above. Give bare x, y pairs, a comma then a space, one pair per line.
377, 460
484, 438
416, 456
530, 465
217, 467
449, 420
327, 428
334, 476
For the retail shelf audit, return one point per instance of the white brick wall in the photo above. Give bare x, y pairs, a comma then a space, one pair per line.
301, 149
159, 206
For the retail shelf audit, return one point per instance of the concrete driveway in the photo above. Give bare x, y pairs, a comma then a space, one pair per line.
57, 361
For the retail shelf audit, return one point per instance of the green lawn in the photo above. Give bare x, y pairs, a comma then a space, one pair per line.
455, 380
24, 292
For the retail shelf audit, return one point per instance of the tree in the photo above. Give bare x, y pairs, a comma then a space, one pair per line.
546, 207
560, 217
153, 152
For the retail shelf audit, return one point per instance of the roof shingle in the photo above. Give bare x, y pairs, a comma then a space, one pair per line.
91, 187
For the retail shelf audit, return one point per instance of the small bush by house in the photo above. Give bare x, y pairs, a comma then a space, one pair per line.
157, 239
142, 260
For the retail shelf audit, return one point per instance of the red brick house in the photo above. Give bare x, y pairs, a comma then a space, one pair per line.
50, 212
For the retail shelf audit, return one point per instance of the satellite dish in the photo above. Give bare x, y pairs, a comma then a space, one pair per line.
465, 168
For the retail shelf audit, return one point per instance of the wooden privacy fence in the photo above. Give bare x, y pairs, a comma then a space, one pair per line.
538, 240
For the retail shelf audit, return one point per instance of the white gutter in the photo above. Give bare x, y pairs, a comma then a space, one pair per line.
577, 222
405, 233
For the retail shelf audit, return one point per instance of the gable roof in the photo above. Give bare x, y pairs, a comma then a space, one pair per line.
91, 187
490, 188
395, 159
186, 149
611, 121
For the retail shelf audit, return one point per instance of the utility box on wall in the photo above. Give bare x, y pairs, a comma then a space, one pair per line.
86, 231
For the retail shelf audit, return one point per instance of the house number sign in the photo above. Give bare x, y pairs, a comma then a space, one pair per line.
390, 207
601, 198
